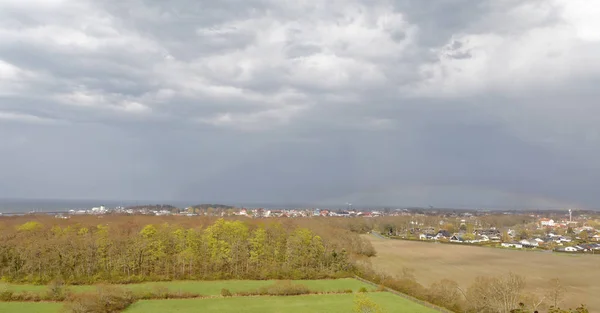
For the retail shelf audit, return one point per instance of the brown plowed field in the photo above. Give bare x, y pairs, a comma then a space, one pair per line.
433, 262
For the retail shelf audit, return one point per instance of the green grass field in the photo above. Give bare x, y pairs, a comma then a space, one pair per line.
290, 304
333, 303
30, 307
208, 288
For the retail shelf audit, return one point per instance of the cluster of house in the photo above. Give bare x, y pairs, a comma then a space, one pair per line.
536, 242
101, 210
95, 210
478, 236
304, 213
494, 235
254, 213
584, 247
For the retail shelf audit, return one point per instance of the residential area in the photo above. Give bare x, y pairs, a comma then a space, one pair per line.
551, 234
559, 231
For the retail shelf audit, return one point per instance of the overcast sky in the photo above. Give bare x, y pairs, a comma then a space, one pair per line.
460, 103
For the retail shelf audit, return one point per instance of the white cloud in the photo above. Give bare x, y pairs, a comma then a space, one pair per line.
8, 71
547, 56
26, 118
13, 79
584, 16
99, 101
387, 76
257, 121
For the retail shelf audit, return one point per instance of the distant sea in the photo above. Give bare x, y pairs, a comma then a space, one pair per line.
53, 205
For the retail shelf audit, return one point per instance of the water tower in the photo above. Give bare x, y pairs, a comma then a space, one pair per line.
570, 215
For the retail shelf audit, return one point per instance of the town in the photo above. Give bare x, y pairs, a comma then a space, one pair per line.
570, 231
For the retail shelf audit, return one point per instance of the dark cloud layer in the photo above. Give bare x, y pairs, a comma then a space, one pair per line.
445, 103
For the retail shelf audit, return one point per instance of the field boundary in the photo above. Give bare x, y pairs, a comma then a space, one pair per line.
405, 296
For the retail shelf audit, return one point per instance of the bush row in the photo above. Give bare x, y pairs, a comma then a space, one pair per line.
59, 292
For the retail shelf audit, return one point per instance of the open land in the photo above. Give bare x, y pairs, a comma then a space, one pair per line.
332, 303
30, 307
432, 262
291, 304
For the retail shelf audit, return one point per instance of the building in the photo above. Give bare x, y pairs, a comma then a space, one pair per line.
512, 244
529, 243
545, 222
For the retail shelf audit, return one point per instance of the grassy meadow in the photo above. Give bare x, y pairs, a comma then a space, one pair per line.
332, 303
30, 307
339, 302
212, 288
433, 262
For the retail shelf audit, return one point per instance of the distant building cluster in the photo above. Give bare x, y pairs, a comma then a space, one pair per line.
548, 230
222, 211
553, 231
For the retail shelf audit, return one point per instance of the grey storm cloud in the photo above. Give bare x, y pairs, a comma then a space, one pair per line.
407, 102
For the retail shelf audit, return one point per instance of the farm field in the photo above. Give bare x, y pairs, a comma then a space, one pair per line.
30, 307
432, 262
210, 288
290, 304
333, 303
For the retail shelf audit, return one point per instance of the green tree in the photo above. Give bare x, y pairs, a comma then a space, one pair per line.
505, 236
468, 236
364, 304
524, 234
259, 246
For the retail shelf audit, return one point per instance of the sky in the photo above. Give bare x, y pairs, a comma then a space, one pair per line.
448, 103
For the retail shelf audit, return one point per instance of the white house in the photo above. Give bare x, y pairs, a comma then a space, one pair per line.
564, 239
529, 243
596, 237
547, 222
512, 244
570, 249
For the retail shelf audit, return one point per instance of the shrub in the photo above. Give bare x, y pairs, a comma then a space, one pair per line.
26, 296
279, 288
381, 288
348, 291
184, 295
226, 293
246, 293
363, 304
161, 292
362, 289
57, 291
5, 293
106, 299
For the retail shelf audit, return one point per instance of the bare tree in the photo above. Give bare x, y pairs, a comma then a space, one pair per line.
496, 294
533, 301
446, 293
556, 292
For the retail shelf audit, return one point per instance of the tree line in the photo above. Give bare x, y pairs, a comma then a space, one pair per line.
225, 249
